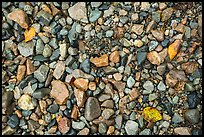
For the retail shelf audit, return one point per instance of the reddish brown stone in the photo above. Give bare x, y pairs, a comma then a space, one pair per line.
114, 57
75, 112
64, 125
30, 68
189, 67
80, 97
20, 73
101, 61
81, 83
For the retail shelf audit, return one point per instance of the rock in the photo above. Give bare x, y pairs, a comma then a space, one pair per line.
156, 16
109, 70
157, 58
84, 131
141, 57
20, 17
145, 6
108, 104
161, 69
79, 15
117, 76
145, 132
41, 73
85, 66
63, 50
92, 109
134, 93
41, 93
111, 130
29, 67
152, 45
8, 130
118, 121
177, 118
94, 15
7, 97
152, 96
192, 116
137, 28
59, 92
20, 73
125, 42
109, 33
189, 87
150, 26
189, 67
47, 52
78, 125
166, 14
59, 69
107, 113
108, 12
158, 34
26, 49
148, 85
114, 57
13, 122
102, 127
33, 125
81, 83
95, 4
44, 17
64, 125
25, 102
193, 100
53, 108
138, 43
92, 86
100, 61
75, 112
182, 131
80, 97
77, 73
130, 82
104, 97
72, 51
134, 17
196, 131
161, 86
131, 127
39, 46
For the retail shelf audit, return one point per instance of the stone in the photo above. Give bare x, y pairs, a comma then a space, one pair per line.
134, 93
85, 66
111, 130
102, 127
148, 85
100, 61
25, 102
109, 70
84, 131
75, 112
117, 76
107, 113
177, 118
20, 73
161, 86
92, 109
72, 51
41, 93
79, 15
108, 104
109, 33
145, 6
138, 43
41, 73
39, 46
44, 17
153, 45
59, 92
81, 83
156, 16
94, 15
95, 4
118, 121
29, 67
166, 14
150, 26
53, 108
137, 28
109, 11
77, 73
20, 17
64, 125
130, 82
80, 97
78, 125
189, 67
157, 58
33, 125
47, 52
7, 97
158, 34
104, 97
114, 57
134, 17
161, 69
192, 116
8, 130
63, 50
182, 131
145, 132
131, 127
141, 57
26, 48
13, 122
193, 100
152, 96
59, 69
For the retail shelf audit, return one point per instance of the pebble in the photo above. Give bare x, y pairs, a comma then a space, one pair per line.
158, 34
166, 14
102, 128
86, 66
193, 100
53, 108
108, 104
26, 49
131, 127
25, 102
145, 132
177, 118
33, 125
72, 51
41, 73
152, 96
78, 125
8, 130
59, 92
192, 116
153, 45
117, 76
41, 93
141, 57
96, 4
134, 17
100, 61
109, 33
44, 17
94, 15
161, 69
145, 6
81, 83
47, 52
84, 131
64, 125
79, 15
92, 86
59, 70
20, 73
182, 131
80, 96
156, 16
92, 109
148, 85
161, 86
13, 122
138, 43
138, 28
107, 113
130, 82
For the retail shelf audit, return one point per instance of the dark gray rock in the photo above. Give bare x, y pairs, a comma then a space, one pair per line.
53, 108
192, 116
40, 93
193, 100
41, 73
85, 66
13, 121
44, 17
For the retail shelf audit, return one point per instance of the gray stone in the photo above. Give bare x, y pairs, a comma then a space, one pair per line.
124, 19
192, 116
92, 109
153, 45
104, 97
13, 121
109, 33
148, 85
161, 86
177, 118
8, 130
78, 125
33, 125
193, 25
161, 69
59, 69
47, 118
64, 32
102, 128
141, 57
110, 70
156, 16
130, 82
131, 127
41, 93
63, 50
53, 43
94, 15
95, 4
152, 96
118, 121
189, 87
72, 51
47, 52
85, 66
26, 48
73, 35
145, 132
41, 73
78, 28
107, 113
44, 17
39, 46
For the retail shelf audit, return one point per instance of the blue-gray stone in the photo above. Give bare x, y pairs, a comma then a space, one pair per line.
13, 121
153, 45
85, 66
40, 93
94, 15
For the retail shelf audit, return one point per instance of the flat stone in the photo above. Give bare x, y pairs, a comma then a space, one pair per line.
59, 92
20, 17
47, 52
148, 85
26, 48
85, 66
182, 131
161, 69
177, 118
33, 125
138, 43
53, 108
152, 96
21, 71
131, 127
117, 76
130, 82
78, 125
92, 109
100, 61
72, 51
84, 131
75, 112
77, 73
79, 15
104, 97
141, 57
118, 121
41, 93
41, 73
145, 132
94, 15
81, 83
107, 113
138, 29
92, 86
158, 34
29, 67
192, 116
134, 93
109, 70
95, 4
102, 128
13, 122
108, 104
145, 6
157, 58
161, 86
193, 100
166, 14
44, 17
59, 69
25, 102
8, 130
64, 125
80, 97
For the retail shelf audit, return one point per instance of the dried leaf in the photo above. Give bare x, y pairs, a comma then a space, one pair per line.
29, 34
174, 48
151, 114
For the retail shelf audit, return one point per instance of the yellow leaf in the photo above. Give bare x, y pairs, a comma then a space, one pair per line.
29, 34
151, 114
174, 48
